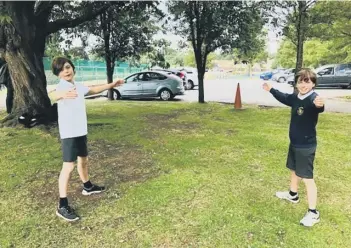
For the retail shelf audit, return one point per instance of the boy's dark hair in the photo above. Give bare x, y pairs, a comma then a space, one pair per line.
306, 73
58, 63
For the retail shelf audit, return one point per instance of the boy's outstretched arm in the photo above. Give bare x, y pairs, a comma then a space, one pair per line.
280, 96
319, 103
100, 88
56, 95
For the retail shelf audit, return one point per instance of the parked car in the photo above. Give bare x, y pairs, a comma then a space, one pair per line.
334, 75
282, 76
269, 74
176, 72
191, 76
149, 84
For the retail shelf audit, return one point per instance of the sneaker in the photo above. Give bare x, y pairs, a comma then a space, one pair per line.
310, 219
285, 195
93, 190
67, 213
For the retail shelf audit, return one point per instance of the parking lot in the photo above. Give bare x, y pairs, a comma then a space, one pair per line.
224, 89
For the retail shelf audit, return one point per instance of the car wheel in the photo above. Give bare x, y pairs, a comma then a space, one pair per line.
116, 95
281, 80
165, 94
189, 85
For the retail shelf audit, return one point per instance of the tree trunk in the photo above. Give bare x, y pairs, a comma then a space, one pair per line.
22, 46
301, 30
201, 86
200, 74
110, 68
109, 61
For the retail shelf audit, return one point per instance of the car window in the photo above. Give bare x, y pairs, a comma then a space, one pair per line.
157, 76
341, 68
328, 71
146, 77
133, 78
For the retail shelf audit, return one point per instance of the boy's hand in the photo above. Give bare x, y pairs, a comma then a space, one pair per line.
319, 102
68, 94
119, 82
267, 86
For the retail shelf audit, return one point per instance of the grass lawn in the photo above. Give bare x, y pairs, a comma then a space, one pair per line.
178, 175
347, 98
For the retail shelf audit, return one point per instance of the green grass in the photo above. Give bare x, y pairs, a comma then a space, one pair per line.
347, 98
178, 175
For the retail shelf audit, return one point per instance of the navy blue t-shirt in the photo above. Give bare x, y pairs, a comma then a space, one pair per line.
304, 118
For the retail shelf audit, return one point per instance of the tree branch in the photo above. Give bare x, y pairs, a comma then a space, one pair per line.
191, 23
309, 4
42, 11
42, 6
63, 23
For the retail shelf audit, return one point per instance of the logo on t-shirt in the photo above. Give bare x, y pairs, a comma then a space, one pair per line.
300, 111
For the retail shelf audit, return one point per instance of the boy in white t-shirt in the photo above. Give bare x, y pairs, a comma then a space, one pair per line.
72, 120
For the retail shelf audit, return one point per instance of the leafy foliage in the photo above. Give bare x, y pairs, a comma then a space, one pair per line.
210, 25
328, 36
128, 28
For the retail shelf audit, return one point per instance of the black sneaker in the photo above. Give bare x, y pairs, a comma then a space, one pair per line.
93, 190
67, 213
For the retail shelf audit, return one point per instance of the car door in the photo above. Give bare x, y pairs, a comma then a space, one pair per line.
342, 75
151, 81
132, 85
326, 77
348, 72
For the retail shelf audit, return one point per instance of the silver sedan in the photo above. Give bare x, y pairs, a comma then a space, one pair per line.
149, 84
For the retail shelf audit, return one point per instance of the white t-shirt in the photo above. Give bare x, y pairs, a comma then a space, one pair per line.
72, 115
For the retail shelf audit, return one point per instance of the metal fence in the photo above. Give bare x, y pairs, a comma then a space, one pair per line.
87, 70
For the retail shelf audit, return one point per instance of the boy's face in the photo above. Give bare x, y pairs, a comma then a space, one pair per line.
67, 72
304, 85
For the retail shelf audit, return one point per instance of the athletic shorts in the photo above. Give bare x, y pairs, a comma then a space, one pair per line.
74, 147
301, 161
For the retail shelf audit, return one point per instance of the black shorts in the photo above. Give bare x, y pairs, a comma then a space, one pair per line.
74, 147
301, 161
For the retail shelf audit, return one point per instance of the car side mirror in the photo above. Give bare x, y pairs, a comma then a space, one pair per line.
321, 73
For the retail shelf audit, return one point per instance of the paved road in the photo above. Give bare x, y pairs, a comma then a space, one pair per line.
223, 90
252, 93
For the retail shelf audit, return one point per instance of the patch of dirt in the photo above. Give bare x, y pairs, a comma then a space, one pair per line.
109, 165
107, 125
266, 107
161, 122
231, 132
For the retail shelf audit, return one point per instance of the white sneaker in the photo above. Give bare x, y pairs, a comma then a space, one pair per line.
285, 195
310, 219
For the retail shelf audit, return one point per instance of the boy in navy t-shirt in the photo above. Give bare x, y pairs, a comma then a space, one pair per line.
305, 108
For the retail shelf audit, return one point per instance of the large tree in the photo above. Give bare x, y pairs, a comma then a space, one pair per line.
331, 22
294, 19
211, 25
23, 32
124, 32
327, 36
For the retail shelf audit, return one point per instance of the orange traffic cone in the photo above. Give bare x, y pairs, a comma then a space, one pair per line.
237, 103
